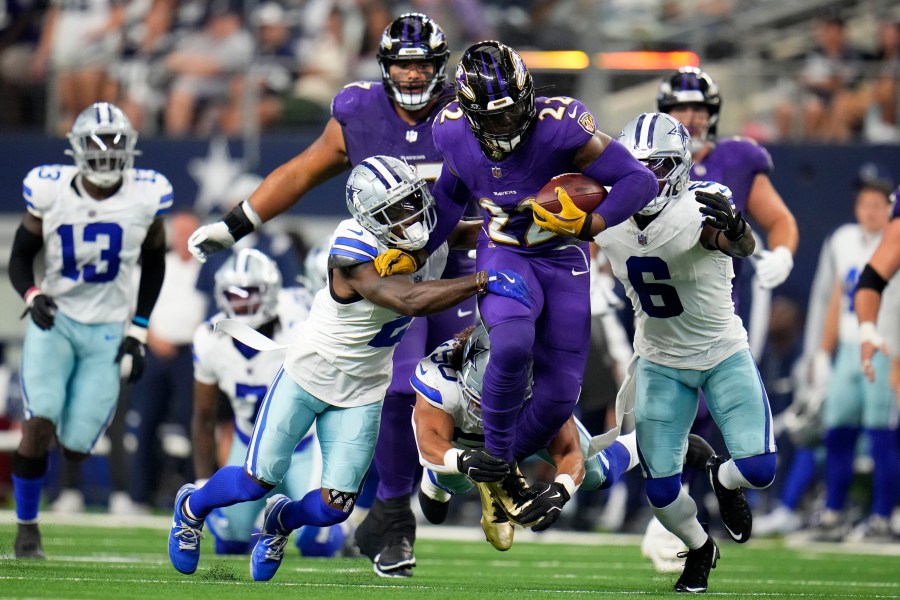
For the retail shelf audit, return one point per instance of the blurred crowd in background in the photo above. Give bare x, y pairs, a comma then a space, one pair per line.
828, 69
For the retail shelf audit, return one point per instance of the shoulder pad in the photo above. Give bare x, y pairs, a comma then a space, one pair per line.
40, 185
352, 241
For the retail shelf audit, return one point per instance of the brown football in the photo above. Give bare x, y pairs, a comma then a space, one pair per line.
586, 193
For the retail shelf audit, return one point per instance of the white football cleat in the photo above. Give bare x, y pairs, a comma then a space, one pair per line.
662, 547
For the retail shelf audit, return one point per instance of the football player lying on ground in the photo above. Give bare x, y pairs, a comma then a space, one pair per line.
337, 368
450, 437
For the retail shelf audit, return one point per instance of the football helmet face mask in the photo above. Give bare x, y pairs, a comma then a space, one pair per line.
476, 354
496, 94
690, 85
413, 37
247, 287
388, 198
103, 142
662, 144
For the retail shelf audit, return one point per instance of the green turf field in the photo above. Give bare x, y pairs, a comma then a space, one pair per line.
94, 562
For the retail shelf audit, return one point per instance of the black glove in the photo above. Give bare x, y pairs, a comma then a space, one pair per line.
43, 311
722, 214
131, 358
546, 507
480, 466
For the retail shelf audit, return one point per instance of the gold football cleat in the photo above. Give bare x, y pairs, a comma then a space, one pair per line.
496, 525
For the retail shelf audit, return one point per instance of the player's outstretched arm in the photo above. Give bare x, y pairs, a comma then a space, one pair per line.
404, 297
768, 210
280, 190
401, 262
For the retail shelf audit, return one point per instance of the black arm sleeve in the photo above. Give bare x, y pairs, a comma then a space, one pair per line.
26, 246
869, 279
153, 271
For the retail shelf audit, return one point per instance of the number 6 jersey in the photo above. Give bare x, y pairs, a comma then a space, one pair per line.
680, 291
91, 246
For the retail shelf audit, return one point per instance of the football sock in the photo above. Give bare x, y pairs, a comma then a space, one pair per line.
310, 510
28, 479
799, 477
840, 446
680, 517
883, 444
227, 486
618, 457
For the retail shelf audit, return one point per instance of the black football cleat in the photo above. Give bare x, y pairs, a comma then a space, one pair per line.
395, 560
736, 514
434, 510
369, 532
697, 565
698, 452
28, 541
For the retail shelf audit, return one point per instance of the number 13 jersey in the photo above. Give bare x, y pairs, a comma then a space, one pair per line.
92, 246
680, 291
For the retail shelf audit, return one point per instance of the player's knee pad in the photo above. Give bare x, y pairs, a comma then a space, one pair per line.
511, 344
323, 542
759, 470
663, 492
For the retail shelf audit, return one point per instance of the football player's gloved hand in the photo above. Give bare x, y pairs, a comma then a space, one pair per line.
504, 283
722, 214
545, 508
478, 465
571, 221
42, 308
395, 262
209, 239
773, 267
132, 354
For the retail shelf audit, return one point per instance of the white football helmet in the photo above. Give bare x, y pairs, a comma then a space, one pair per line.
476, 354
247, 287
387, 197
103, 142
664, 146
315, 266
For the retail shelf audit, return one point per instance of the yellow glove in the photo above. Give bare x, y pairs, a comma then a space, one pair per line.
571, 221
395, 262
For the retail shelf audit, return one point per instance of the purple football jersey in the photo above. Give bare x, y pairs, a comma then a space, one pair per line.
503, 188
734, 162
896, 211
372, 126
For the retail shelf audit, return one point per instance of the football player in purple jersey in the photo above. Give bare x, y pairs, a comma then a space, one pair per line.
691, 96
501, 145
392, 117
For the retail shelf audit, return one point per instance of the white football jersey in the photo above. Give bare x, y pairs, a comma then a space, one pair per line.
92, 246
680, 291
243, 373
436, 381
342, 353
850, 248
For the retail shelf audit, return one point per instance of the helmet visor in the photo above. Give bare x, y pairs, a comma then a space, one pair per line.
243, 301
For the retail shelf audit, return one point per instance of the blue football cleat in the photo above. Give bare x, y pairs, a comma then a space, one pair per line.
269, 550
185, 535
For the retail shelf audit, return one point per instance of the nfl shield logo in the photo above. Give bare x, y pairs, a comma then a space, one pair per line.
496, 172
412, 136
642, 239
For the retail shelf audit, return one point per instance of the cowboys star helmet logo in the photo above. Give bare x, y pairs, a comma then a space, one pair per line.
683, 134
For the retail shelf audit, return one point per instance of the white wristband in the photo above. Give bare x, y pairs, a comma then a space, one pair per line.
868, 333
567, 482
251, 214
451, 459
31, 294
137, 332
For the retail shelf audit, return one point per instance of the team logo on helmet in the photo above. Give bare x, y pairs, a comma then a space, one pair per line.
521, 73
437, 38
462, 83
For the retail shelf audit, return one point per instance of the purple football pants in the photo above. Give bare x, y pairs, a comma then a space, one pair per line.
555, 333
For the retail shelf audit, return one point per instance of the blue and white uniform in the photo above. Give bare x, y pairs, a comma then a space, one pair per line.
91, 247
336, 373
687, 337
243, 374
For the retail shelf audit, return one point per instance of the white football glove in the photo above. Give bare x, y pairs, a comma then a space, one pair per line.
210, 239
773, 267
662, 548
